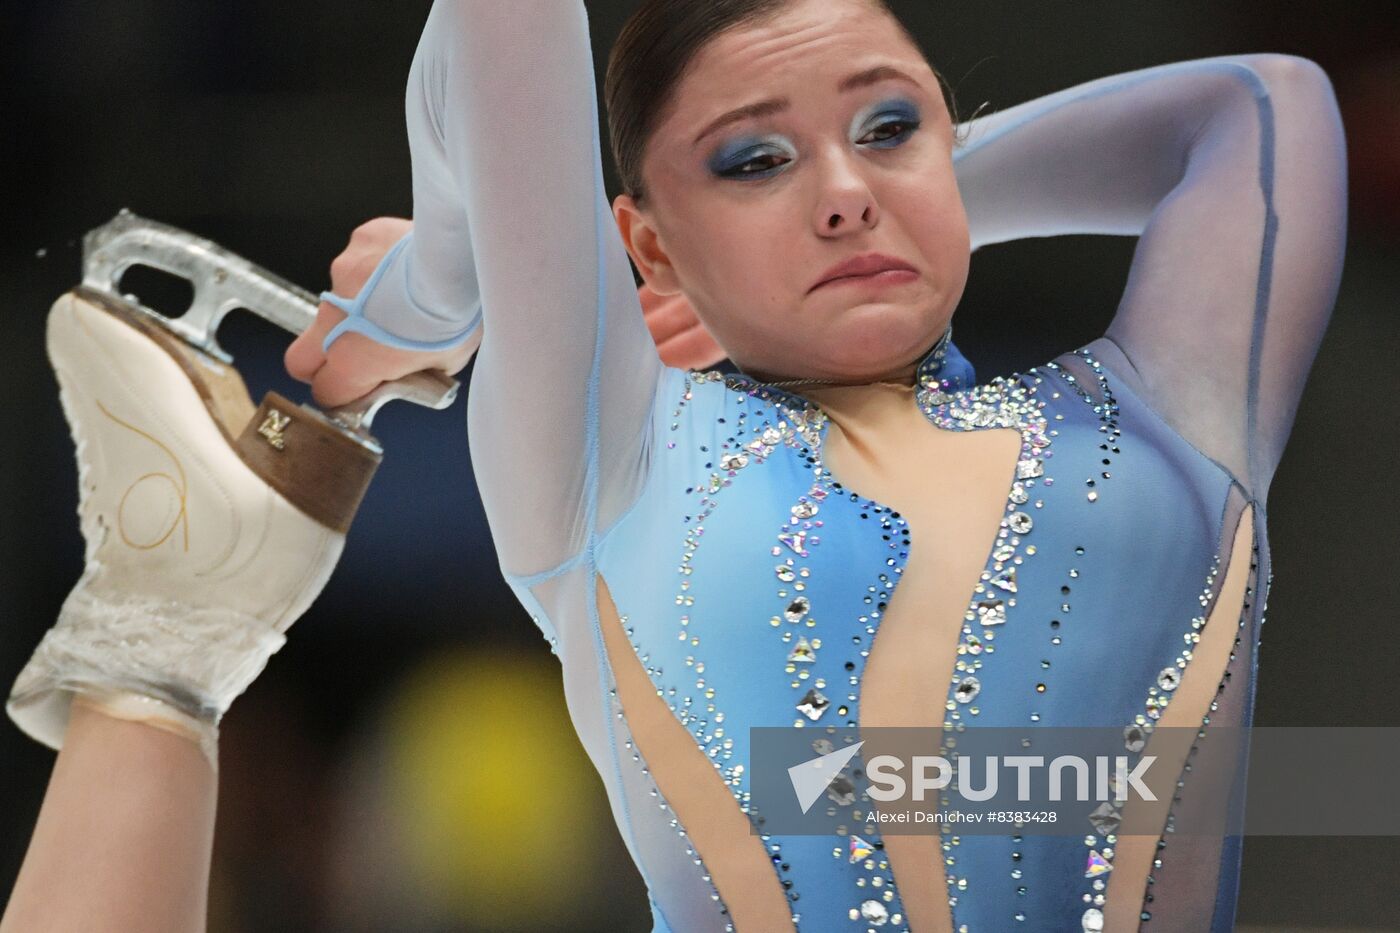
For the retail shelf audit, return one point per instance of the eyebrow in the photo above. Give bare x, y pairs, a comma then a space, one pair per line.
774, 105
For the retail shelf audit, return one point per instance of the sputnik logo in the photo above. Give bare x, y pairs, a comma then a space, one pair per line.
811, 778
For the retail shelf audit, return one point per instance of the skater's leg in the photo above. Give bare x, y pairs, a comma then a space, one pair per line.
124, 836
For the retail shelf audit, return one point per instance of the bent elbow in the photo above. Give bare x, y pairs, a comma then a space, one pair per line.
1287, 74
1286, 67
1305, 102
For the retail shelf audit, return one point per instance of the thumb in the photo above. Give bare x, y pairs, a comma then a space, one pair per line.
304, 355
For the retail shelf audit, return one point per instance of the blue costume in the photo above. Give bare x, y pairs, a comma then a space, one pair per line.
695, 515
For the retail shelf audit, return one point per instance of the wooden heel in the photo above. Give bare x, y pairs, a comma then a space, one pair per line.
317, 467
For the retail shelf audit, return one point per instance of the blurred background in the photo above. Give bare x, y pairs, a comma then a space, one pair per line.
361, 784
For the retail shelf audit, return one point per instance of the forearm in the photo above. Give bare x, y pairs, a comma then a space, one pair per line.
124, 836
1101, 156
429, 293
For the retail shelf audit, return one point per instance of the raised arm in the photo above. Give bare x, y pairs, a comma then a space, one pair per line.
1232, 171
514, 235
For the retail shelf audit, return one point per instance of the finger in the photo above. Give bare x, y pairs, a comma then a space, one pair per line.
693, 348
345, 376
304, 355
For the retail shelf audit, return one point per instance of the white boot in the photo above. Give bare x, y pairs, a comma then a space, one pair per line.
196, 563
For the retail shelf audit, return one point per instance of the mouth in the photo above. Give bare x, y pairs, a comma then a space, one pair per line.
870, 269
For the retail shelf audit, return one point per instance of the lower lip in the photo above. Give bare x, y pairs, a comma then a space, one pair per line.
885, 277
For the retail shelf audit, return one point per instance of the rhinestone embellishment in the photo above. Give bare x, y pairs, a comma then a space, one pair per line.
860, 849
1105, 819
1097, 865
874, 912
813, 704
802, 652
991, 612
797, 609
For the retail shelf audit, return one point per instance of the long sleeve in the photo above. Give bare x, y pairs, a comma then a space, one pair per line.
512, 227
1232, 173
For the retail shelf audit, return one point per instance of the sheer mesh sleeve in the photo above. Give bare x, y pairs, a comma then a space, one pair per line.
1232, 173
511, 219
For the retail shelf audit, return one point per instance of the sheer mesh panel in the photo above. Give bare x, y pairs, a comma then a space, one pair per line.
1232, 171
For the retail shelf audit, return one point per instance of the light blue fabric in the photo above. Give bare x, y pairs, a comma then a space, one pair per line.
356, 321
658, 920
1165, 508
596, 461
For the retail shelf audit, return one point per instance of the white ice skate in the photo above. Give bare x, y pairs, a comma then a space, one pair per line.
210, 523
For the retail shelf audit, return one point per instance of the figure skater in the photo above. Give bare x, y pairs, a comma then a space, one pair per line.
852, 530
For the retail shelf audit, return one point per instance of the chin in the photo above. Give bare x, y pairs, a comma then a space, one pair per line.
877, 337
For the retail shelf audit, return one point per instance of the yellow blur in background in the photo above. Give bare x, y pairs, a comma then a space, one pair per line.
484, 774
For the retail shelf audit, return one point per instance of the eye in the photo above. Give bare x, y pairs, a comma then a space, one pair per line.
755, 167
898, 130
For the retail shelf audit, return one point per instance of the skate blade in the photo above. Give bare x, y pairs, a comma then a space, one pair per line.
222, 282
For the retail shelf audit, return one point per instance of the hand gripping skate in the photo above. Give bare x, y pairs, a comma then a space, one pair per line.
210, 523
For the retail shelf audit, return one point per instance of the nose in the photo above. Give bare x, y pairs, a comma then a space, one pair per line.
845, 202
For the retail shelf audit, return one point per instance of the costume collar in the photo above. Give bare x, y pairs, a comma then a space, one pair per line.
941, 372
944, 370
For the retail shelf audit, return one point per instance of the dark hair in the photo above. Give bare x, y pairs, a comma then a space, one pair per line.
657, 43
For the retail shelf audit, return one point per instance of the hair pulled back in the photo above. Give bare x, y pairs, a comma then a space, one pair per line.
656, 45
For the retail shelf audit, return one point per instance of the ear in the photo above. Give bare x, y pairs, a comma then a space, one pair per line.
643, 244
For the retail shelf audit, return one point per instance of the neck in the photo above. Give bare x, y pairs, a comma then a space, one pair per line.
905, 375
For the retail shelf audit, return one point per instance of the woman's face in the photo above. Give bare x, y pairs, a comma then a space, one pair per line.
746, 219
